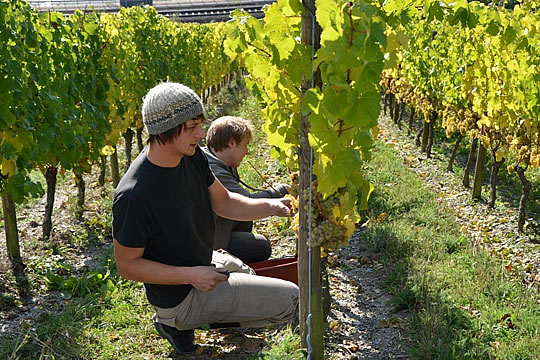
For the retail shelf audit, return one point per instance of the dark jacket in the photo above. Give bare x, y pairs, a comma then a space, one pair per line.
228, 176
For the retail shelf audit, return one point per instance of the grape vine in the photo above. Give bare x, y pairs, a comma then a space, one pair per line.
343, 112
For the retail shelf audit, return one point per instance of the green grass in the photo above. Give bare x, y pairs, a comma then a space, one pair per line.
465, 304
285, 347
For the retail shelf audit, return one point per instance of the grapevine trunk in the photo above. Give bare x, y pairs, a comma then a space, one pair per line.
50, 177
525, 191
479, 172
470, 162
10, 221
454, 153
493, 179
115, 172
128, 137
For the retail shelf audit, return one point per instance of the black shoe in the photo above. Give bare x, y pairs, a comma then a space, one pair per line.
181, 340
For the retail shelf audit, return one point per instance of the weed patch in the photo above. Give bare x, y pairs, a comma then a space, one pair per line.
465, 304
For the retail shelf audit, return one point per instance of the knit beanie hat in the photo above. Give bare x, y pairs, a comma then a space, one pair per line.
168, 105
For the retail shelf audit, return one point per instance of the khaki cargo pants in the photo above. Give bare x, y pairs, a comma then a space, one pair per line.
250, 300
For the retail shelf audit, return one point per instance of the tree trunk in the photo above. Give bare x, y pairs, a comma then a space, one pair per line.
50, 177
450, 166
411, 120
479, 172
526, 189
470, 162
311, 309
128, 137
115, 172
12, 235
79, 181
140, 143
102, 169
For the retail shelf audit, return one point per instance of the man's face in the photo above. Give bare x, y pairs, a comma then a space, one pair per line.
187, 141
237, 151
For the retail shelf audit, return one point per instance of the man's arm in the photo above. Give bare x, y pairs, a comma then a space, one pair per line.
238, 207
132, 266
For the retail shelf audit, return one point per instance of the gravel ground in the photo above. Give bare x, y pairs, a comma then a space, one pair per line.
362, 323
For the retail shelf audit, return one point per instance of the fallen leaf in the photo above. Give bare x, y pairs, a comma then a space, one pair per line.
381, 217
364, 260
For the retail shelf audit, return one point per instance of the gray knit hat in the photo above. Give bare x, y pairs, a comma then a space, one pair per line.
168, 105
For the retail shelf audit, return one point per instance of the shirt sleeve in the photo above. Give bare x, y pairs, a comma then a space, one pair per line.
131, 226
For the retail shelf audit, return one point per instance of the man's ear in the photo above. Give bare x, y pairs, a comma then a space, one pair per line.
231, 143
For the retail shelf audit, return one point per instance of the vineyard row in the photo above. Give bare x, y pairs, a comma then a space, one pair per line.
72, 86
472, 70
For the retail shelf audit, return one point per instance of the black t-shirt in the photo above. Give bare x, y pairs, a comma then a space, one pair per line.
168, 212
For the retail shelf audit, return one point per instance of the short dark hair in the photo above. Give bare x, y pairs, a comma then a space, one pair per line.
169, 135
225, 128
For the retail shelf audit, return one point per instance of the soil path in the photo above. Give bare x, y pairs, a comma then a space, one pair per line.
362, 323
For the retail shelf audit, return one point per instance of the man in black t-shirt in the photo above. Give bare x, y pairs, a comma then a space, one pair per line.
163, 229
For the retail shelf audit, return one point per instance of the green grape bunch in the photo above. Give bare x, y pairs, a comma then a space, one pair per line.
329, 218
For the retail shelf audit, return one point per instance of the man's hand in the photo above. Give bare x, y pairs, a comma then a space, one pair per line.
206, 278
282, 206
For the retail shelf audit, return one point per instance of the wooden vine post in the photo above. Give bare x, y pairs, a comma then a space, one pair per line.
316, 309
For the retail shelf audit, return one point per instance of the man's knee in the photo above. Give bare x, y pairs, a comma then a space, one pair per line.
264, 247
291, 294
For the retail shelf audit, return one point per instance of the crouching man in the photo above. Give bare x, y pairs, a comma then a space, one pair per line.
227, 139
163, 229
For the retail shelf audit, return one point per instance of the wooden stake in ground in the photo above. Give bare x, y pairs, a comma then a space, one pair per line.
305, 256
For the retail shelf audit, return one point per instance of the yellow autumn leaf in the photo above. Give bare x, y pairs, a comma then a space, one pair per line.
107, 150
8, 167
